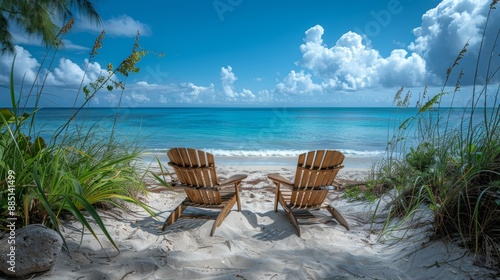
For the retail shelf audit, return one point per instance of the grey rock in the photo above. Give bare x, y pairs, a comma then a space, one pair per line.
36, 249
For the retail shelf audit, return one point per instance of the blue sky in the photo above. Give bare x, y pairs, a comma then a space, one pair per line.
262, 53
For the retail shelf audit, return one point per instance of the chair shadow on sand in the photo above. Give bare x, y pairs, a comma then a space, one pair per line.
278, 227
194, 218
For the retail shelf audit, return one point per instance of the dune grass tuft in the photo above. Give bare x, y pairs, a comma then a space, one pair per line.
76, 171
453, 170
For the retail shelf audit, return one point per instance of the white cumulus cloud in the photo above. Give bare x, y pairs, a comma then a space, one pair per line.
69, 73
227, 78
126, 26
191, 93
445, 30
121, 26
192, 89
352, 65
173, 93
135, 98
399, 69
25, 67
298, 83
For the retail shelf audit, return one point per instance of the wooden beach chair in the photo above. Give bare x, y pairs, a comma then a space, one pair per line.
316, 172
195, 170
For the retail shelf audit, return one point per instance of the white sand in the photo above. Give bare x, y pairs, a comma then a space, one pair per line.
258, 243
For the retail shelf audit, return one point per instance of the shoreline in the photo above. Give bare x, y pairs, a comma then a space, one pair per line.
362, 163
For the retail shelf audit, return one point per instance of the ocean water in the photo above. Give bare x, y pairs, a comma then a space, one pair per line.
242, 132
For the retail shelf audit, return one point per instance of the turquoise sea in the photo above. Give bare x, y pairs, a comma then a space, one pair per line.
245, 133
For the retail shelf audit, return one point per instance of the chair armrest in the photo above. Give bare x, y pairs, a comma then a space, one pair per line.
280, 179
233, 179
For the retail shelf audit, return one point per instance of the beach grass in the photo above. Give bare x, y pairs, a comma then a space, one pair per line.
79, 168
454, 169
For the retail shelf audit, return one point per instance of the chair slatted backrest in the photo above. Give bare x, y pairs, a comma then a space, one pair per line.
196, 168
315, 169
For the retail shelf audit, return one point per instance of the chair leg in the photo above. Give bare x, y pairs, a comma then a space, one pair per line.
226, 210
223, 214
238, 201
292, 218
281, 200
276, 198
288, 211
174, 216
336, 214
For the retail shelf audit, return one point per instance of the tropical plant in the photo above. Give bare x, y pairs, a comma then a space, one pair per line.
36, 17
454, 169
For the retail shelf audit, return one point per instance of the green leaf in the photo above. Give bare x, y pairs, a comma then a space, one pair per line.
162, 171
38, 145
11, 88
93, 213
86, 90
406, 123
46, 205
162, 181
6, 113
430, 104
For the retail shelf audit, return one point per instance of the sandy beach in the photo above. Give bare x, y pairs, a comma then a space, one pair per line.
258, 243
398, 101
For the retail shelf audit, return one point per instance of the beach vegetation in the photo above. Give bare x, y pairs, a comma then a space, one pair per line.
452, 169
36, 18
368, 190
160, 176
80, 168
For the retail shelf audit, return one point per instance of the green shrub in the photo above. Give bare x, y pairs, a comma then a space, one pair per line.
423, 158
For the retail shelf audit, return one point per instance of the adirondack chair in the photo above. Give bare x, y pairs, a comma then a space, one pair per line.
316, 172
195, 170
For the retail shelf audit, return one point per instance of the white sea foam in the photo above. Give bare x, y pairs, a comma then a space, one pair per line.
274, 153
256, 153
